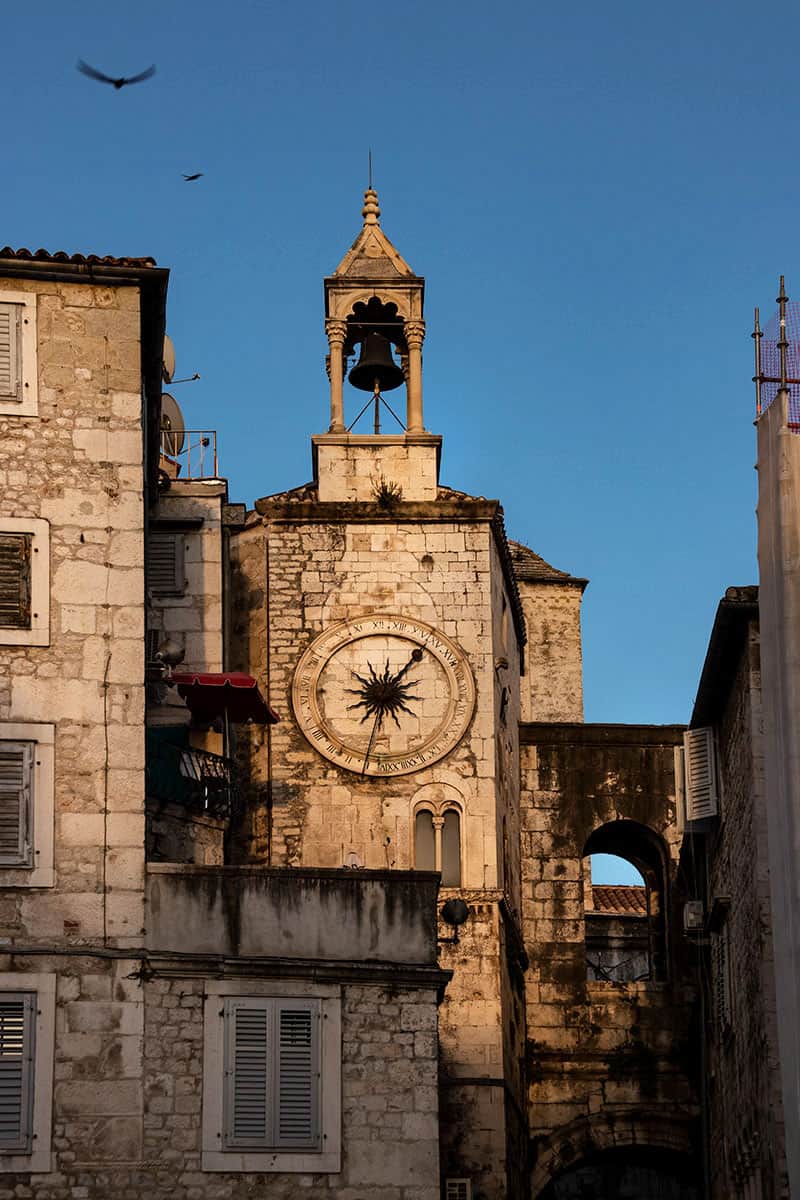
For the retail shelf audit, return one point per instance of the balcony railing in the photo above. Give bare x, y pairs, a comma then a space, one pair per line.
189, 453
195, 779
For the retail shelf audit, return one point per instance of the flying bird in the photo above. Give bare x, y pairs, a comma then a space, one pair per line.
115, 83
189, 178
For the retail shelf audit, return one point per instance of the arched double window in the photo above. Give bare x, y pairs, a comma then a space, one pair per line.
437, 843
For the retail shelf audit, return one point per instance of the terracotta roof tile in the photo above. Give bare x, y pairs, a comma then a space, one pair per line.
61, 256
620, 898
529, 565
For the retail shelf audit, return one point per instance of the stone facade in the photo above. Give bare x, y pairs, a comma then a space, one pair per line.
726, 862
609, 1064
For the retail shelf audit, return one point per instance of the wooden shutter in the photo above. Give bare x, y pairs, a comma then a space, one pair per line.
17, 1024
248, 1076
165, 569
298, 1075
458, 1189
272, 1078
10, 374
16, 776
721, 978
15, 580
701, 774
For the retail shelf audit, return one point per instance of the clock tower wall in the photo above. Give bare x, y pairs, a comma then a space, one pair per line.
296, 580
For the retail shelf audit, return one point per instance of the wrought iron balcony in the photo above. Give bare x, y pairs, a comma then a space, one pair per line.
195, 779
189, 453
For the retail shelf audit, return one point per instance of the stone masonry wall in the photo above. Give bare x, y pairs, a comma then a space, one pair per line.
608, 1064
746, 1115
552, 686
78, 465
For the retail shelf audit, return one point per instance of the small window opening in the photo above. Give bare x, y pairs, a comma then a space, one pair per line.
623, 890
437, 844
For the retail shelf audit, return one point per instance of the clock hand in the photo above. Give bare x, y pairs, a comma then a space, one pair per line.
376, 726
416, 656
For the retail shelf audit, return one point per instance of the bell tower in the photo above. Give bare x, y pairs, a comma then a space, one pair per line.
374, 307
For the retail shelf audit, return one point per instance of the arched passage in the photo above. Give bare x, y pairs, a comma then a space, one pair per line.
626, 1173
626, 929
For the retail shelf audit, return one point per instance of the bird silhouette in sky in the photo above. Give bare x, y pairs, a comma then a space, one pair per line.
197, 175
85, 69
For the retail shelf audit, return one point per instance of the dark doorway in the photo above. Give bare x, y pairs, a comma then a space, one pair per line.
629, 1173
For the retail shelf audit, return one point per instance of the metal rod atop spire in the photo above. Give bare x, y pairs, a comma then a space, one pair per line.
370, 168
757, 335
783, 344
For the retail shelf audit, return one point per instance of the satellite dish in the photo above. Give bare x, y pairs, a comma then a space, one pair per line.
172, 426
168, 360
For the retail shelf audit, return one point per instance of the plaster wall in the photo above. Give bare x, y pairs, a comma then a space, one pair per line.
779, 607
252, 912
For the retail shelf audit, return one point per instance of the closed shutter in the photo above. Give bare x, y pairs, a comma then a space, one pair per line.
10, 374
721, 971
17, 1022
298, 1075
272, 1080
247, 1083
16, 775
458, 1189
15, 580
165, 569
701, 774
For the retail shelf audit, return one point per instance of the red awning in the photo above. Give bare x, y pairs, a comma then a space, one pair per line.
212, 695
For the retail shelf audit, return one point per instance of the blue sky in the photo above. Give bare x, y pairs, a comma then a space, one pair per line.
596, 194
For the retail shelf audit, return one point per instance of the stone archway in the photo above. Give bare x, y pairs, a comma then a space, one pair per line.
626, 1173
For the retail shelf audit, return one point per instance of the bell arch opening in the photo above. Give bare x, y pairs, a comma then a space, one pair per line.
625, 914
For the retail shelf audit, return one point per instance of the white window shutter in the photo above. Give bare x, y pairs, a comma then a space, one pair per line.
16, 807
165, 563
10, 373
17, 1023
248, 1099
701, 774
298, 1074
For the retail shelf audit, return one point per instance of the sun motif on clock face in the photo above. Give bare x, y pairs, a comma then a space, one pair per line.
383, 694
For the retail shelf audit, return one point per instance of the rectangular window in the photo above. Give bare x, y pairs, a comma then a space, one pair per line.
272, 1077
17, 1055
16, 803
701, 774
10, 374
272, 1074
166, 575
27, 1046
15, 580
457, 1189
18, 371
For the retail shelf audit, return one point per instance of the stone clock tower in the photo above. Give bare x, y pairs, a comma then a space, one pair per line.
380, 611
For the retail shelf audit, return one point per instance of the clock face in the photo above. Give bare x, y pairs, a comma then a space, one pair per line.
383, 695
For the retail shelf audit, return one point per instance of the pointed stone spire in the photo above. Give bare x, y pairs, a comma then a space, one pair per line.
371, 210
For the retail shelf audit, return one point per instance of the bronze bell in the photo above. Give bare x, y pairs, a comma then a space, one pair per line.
376, 365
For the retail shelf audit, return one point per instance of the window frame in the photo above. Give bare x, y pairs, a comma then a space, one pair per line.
42, 986
438, 813
215, 1155
40, 871
38, 631
28, 403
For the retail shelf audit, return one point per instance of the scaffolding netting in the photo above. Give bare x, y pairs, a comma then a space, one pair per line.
771, 360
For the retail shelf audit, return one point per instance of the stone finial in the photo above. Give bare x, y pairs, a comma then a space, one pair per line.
371, 210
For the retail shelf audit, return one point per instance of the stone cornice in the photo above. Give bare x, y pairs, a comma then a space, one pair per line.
574, 733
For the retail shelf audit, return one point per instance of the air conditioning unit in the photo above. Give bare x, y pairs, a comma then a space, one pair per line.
694, 916
457, 1189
